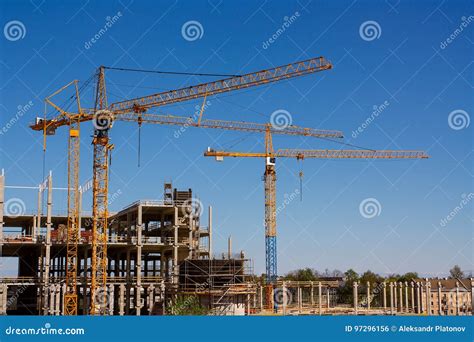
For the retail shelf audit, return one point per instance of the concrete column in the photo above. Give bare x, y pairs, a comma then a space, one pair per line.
457, 299
412, 288
36, 231
121, 302
47, 258
261, 297
52, 299
111, 298
356, 302
138, 266
422, 306
57, 302
384, 296
284, 289
210, 232
428, 297
175, 256
63, 294
229, 247
312, 294
406, 297
472, 296
320, 302
395, 297
391, 297
151, 298
401, 296
328, 296
368, 296
298, 292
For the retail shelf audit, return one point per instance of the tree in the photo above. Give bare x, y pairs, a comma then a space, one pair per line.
303, 274
456, 272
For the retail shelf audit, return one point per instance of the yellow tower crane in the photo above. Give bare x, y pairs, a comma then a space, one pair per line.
269, 178
102, 115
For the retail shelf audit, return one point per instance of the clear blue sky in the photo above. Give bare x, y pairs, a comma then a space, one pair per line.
408, 64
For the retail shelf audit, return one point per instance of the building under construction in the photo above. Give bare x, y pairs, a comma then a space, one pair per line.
157, 251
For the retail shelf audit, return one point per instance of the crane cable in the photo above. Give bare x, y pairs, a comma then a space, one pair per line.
171, 72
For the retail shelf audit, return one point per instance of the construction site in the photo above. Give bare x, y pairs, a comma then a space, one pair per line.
156, 257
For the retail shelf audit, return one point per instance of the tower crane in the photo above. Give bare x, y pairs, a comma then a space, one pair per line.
269, 178
102, 115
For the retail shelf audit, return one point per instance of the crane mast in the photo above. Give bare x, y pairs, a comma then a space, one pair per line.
102, 115
102, 124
